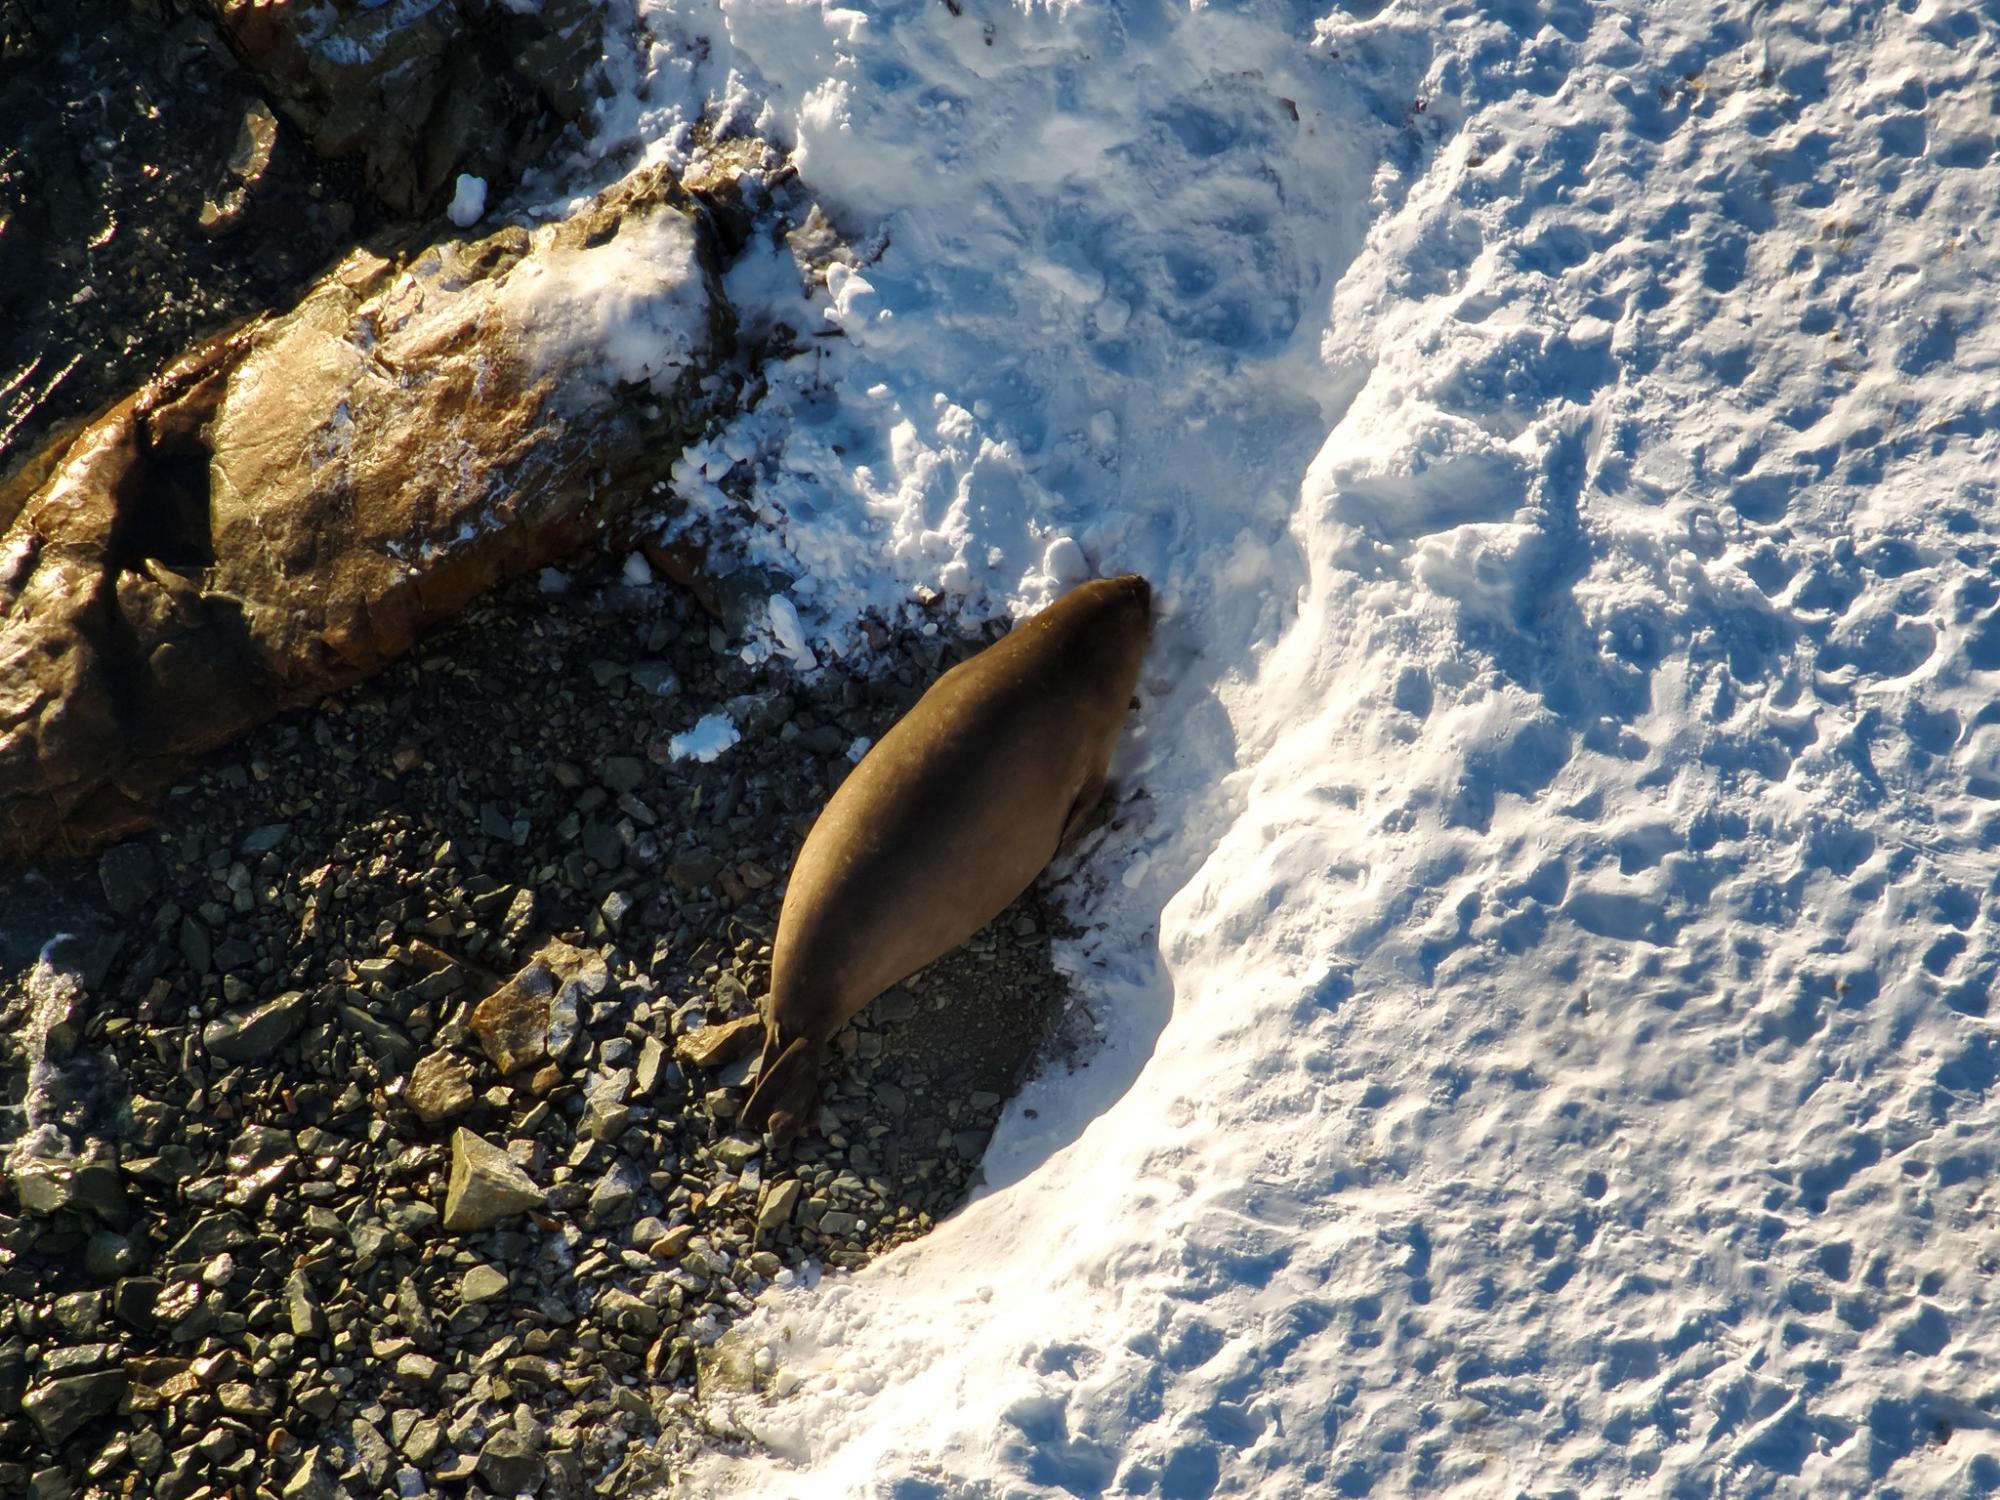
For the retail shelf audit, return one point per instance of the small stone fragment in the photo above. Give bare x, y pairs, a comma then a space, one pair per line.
440, 1087
613, 1195
652, 1056
779, 1201
310, 1480
487, 1185
736, 1152
674, 1243
713, 1046
419, 1371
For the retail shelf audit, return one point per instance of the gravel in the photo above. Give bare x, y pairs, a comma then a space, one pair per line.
232, 1257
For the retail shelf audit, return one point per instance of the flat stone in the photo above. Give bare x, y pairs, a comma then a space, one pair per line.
512, 1024
249, 1033
194, 944
383, 1039
736, 1152
424, 1442
509, 1463
713, 1046
132, 1300
264, 840
779, 1201
418, 1370
130, 876
674, 1243
613, 1195
482, 1283
652, 1057
62, 1408
487, 1185
310, 1480
440, 1086
302, 1310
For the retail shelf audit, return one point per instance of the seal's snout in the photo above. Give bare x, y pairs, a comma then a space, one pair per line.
1132, 587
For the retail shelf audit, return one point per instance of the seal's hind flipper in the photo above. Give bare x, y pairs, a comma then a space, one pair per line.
1082, 812
787, 1089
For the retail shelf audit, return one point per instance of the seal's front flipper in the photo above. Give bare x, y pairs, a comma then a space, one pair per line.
787, 1089
1082, 812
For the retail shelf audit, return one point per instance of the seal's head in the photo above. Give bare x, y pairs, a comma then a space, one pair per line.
1104, 624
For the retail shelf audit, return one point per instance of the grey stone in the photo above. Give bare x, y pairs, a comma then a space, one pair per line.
736, 1152
509, 1463
194, 945
605, 1112
411, 1216
384, 1039
425, 1442
613, 1195
264, 840
780, 1199
482, 1283
249, 1033
419, 1370
302, 1310
133, 1299
652, 1056
130, 876
61, 1408
487, 1185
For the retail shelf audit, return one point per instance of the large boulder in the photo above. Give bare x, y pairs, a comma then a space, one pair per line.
285, 508
419, 91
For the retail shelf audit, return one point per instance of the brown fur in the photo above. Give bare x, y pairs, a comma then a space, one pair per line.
945, 821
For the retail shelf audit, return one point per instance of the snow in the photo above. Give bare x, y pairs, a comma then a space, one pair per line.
711, 736
634, 306
468, 201
1545, 986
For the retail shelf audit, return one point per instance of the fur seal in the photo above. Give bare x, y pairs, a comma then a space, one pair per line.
944, 822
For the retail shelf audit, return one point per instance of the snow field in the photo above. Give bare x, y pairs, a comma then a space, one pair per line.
1545, 982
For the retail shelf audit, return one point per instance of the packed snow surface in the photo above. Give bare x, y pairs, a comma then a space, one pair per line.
1545, 983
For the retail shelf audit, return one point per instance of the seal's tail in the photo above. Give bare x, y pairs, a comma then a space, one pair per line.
787, 1088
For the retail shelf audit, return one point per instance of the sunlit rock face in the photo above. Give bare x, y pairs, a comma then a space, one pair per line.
285, 508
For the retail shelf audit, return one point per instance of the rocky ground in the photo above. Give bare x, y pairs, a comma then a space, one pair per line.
371, 1130
148, 195
281, 1222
